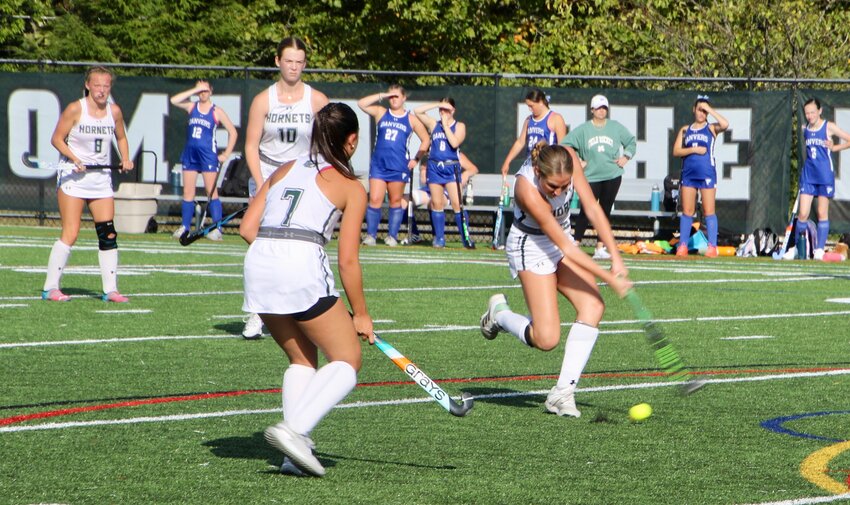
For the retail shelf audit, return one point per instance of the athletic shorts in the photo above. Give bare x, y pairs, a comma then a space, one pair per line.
388, 168
532, 253
707, 183
88, 184
199, 161
442, 173
827, 190
274, 285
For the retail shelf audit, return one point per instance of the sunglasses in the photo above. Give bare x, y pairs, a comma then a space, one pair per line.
702, 97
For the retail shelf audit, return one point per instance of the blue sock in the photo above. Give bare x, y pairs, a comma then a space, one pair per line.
215, 210
438, 219
711, 227
394, 221
685, 225
823, 232
373, 219
187, 210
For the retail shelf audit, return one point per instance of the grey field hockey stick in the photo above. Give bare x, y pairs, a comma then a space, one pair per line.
29, 162
499, 226
788, 230
410, 211
455, 408
464, 224
665, 354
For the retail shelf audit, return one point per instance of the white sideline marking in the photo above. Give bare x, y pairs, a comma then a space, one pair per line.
747, 337
429, 329
808, 501
12, 305
233, 316
404, 401
127, 311
838, 300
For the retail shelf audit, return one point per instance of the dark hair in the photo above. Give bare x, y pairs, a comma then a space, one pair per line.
551, 159
96, 70
332, 126
291, 42
400, 89
536, 95
449, 100
814, 101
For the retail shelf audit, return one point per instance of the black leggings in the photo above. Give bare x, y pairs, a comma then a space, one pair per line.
605, 192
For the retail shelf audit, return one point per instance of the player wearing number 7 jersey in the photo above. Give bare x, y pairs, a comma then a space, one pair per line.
280, 123
391, 166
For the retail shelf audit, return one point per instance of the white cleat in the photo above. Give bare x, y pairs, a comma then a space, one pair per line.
253, 327
215, 235
178, 232
369, 240
489, 327
601, 254
818, 254
562, 401
391, 242
296, 447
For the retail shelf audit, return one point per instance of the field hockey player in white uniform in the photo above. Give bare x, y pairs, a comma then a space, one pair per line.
84, 136
289, 282
543, 254
280, 123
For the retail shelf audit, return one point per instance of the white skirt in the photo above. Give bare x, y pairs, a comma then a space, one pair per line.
88, 184
286, 276
534, 253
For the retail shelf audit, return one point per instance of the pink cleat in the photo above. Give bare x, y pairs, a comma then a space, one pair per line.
114, 296
54, 295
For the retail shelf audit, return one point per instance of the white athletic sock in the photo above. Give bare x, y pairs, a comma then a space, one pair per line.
108, 269
513, 323
328, 387
59, 255
580, 342
295, 381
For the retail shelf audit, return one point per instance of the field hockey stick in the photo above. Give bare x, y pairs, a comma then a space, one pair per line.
464, 225
410, 211
42, 165
665, 354
200, 217
455, 408
187, 238
499, 227
788, 229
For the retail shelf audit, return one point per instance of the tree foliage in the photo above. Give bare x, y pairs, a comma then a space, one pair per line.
738, 38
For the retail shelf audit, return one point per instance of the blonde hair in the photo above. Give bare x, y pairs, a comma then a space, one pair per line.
551, 160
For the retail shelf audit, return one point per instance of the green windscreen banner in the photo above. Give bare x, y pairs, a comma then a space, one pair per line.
753, 156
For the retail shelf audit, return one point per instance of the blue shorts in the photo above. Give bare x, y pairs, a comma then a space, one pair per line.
827, 190
388, 168
442, 172
707, 183
199, 161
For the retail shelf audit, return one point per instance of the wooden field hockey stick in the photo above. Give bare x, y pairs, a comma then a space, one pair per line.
665, 354
42, 165
455, 408
464, 225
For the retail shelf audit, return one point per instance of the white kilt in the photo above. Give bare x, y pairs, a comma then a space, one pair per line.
533, 253
88, 184
285, 276
266, 170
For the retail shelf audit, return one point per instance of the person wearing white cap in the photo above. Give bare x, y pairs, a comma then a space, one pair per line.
605, 146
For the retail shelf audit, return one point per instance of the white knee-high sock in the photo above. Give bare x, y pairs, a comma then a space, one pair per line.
295, 381
328, 387
59, 255
513, 323
108, 269
580, 342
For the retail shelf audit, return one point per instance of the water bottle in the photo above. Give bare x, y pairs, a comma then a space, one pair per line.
176, 180
655, 201
469, 195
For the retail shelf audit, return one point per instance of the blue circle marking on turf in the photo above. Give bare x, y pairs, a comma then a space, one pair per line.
776, 423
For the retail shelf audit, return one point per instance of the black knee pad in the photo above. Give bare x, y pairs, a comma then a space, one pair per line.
107, 237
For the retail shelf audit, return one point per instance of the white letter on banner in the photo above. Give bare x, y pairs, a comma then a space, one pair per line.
360, 159
842, 184
737, 186
47, 108
654, 151
146, 130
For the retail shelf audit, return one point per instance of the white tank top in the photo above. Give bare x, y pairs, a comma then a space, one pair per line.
287, 128
91, 138
297, 202
560, 204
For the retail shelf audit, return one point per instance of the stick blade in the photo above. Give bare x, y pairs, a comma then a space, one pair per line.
690, 387
188, 238
463, 407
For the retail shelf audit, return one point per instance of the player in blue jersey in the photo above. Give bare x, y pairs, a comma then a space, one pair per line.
817, 178
447, 135
541, 124
201, 152
695, 145
391, 165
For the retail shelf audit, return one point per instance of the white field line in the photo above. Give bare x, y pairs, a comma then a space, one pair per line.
125, 311
404, 401
808, 500
747, 337
435, 329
